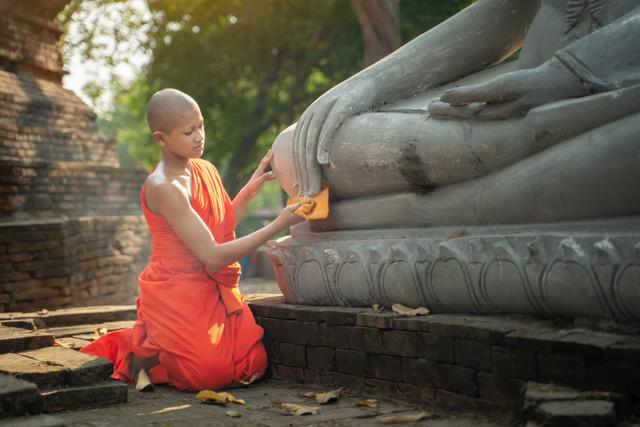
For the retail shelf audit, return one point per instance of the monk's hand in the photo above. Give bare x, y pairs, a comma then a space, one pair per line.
260, 176
510, 95
288, 217
318, 125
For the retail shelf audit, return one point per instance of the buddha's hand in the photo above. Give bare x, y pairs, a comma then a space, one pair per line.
510, 95
318, 125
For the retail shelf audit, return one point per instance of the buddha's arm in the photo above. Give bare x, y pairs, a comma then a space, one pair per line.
604, 60
478, 36
608, 58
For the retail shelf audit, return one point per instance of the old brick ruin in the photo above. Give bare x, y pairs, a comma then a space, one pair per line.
71, 231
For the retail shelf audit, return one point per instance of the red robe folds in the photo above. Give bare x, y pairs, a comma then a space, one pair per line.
195, 319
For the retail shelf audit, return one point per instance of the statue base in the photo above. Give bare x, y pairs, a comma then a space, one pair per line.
578, 269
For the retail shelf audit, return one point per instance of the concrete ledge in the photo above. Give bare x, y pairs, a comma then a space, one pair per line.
475, 362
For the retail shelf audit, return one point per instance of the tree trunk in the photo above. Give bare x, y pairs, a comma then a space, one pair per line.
380, 25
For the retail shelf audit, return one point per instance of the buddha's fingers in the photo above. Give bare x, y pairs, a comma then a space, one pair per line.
335, 115
499, 89
315, 172
295, 150
503, 110
444, 110
304, 155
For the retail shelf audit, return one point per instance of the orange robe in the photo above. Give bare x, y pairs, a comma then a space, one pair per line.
194, 319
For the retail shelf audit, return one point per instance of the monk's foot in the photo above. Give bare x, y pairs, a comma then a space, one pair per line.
143, 383
242, 383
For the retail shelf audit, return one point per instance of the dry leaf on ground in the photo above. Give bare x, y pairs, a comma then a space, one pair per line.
233, 414
100, 332
43, 312
295, 409
208, 396
407, 311
58, 343
309, 394
377, 308
399, 419
367, 403
329, 396
456, 234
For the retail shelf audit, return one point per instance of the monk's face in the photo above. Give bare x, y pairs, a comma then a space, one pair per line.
186, 139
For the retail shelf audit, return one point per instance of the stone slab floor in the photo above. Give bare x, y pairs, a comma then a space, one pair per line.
168, 407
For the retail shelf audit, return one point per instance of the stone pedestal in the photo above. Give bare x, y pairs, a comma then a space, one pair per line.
71, 230
582, 269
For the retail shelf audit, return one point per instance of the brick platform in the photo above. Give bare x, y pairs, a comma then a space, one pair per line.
479, 363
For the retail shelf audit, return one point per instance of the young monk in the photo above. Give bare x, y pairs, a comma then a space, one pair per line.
193, 331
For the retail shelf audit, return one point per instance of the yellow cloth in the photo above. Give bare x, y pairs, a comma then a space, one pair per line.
312, 207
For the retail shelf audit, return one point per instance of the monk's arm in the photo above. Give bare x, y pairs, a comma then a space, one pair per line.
240, 203
252, 187
173, 204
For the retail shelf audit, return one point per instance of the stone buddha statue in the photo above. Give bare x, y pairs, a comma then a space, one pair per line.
447, 134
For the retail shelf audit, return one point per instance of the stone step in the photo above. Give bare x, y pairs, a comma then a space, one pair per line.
18, 397
556, 405
88, 329
578, 413
74, 316
54, 367
42, 374
108, 392
28, 324
34, 421
18, 339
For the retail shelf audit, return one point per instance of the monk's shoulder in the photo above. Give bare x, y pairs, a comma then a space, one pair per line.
207, 165
162, 190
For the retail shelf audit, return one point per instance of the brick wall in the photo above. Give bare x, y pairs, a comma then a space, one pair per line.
62, 263
38, 189
476, 363
71, 230
39, 120
28, 43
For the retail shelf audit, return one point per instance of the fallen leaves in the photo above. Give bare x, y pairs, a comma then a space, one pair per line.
58, 343
221, 398
233, 414
366, 403
377, 308
100, 332
407, 311
399, 419
295, 409
456, 234
329, 396
43, 312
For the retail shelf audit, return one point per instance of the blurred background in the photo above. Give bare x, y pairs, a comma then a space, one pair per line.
252, 65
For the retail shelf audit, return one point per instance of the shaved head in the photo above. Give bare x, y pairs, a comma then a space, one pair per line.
166, 107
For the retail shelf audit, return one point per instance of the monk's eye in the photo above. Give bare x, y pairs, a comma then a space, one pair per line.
189, 132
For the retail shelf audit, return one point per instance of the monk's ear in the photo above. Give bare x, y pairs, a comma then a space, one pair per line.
159, 137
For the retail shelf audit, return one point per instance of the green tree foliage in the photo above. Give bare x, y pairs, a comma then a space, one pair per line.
417, 16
